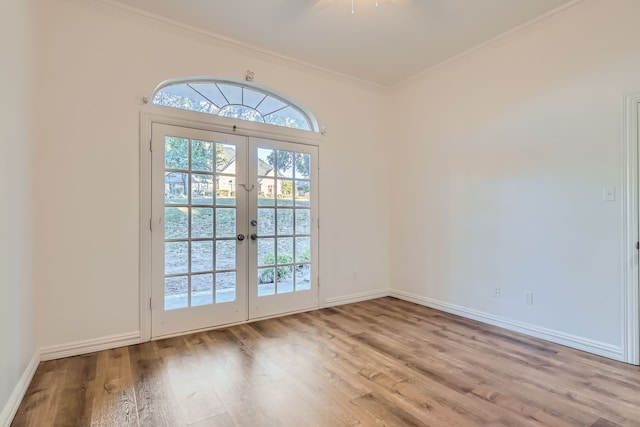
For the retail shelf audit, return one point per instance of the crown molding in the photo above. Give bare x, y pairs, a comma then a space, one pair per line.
258, 52
220, 40
531, 24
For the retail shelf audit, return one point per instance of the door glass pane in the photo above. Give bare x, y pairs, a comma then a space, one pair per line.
226, 158
303, 249
226, 192
266, 281
202, 156
176, 257
303, 193
176, 292
225, 222
201, 223
285, 164
225, 255
285, 192
201, 289
176, 188
202, 187
176, 223
285, 279
285, 221
267, 192
202, 256
266, 251
285, 250
303, 221
266, 161
266, 221
303, 277
226, 287
303, 165
176, 153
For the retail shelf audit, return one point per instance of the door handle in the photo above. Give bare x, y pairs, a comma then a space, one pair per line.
241, 237
254, 236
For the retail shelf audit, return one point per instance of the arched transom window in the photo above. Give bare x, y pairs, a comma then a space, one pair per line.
239, 100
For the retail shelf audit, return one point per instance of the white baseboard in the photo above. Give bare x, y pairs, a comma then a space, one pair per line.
89, 346
11, 407
348, 299
569, 340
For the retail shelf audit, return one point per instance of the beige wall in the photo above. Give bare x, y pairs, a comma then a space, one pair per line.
95, 63
508, 150
17, 308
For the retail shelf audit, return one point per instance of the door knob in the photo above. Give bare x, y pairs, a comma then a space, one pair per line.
241, 237
254, 222
253, 236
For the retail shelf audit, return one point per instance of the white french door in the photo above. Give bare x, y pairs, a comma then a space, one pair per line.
283, 227
234, 229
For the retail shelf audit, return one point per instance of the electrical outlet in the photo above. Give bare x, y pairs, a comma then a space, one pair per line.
497, 291
528, 298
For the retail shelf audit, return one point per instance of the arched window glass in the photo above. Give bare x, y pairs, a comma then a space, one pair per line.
235, 99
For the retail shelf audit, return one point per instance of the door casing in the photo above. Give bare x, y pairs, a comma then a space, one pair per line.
162, 115
631, 232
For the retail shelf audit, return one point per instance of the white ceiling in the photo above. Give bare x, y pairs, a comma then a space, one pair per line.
383, 45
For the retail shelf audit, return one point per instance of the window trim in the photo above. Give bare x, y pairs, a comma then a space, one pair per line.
305, 112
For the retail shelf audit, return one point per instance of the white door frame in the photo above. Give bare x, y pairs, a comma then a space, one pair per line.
169, 116
630, 211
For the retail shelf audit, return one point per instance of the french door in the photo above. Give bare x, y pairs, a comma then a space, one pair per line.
234, 229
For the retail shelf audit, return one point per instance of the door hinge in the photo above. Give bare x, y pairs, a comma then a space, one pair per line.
150, 224
637, 245
151, 145
150, 307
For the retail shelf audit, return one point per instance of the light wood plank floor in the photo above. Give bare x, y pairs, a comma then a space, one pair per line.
384, 362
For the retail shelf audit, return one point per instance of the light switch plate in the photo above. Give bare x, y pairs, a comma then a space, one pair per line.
609, 194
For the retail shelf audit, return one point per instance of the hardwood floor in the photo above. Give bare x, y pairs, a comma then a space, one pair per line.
384, 362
